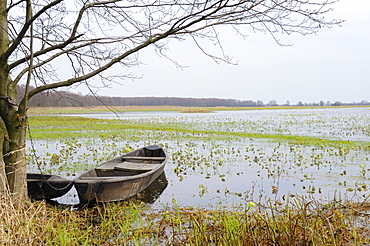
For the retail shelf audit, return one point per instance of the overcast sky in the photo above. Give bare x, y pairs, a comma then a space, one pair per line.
333, 65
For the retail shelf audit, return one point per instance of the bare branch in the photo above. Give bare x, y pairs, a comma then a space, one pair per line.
44, 51
12, 5
97, 71
26, 26
114, 30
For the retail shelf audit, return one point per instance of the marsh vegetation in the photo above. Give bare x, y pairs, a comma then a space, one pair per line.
222, 158
254, 177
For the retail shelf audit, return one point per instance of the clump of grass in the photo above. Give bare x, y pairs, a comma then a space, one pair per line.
38, 223
298, 222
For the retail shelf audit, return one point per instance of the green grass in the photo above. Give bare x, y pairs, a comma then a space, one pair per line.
54, 127
298, 222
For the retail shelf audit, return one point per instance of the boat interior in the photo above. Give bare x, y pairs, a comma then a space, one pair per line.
135, 163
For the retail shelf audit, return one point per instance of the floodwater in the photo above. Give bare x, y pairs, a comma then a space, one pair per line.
207, 170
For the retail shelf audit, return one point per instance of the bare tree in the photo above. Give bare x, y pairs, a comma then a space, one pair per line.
54, 43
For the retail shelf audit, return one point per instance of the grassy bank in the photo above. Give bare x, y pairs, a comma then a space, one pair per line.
298, 222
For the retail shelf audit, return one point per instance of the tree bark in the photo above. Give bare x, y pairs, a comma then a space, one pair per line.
3, 85
3, 178
12, 124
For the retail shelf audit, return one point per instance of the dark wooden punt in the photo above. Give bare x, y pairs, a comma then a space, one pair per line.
122, 177
46, 186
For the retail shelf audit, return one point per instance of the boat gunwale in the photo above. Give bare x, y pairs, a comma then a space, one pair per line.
114, 179
46, 178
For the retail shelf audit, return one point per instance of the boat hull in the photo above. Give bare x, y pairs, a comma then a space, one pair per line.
119, 179
46, 186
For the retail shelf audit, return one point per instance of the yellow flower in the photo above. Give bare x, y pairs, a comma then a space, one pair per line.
338, 213
252, 204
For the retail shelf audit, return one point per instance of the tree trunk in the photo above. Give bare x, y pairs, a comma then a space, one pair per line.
16, 163
3, 178
13, 146
12, 124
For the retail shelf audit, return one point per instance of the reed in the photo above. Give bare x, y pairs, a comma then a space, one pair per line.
297, 222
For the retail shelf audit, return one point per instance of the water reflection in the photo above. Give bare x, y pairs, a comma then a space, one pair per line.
153, 191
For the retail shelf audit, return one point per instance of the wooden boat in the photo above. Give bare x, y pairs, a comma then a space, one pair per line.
122, 177
46, 186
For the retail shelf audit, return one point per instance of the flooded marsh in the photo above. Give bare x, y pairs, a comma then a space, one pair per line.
223, 158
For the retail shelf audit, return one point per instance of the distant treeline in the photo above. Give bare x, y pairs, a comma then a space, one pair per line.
69, 99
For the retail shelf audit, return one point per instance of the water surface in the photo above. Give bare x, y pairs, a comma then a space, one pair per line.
207, 170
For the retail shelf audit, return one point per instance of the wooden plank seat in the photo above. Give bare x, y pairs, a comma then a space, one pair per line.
143, 158
134, 166
130, 166
109, 166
